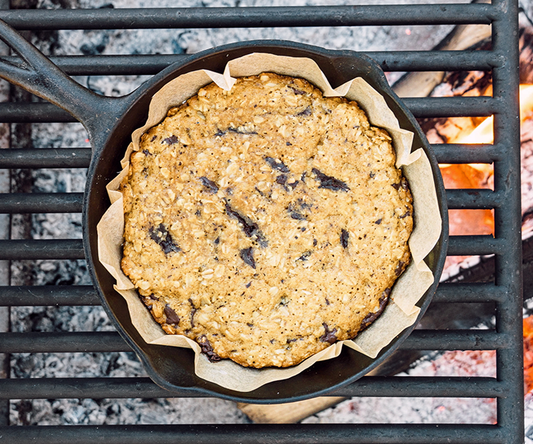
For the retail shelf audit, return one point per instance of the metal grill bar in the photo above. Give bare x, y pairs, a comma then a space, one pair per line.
41, 203
73, 202
45, 158
67, 342
86, 295
41, 19
371, 386
506, 291
41, 249
469, 293
427, 107
473, 199
48, 295
475, 245
257, 433
457, 153
389, 61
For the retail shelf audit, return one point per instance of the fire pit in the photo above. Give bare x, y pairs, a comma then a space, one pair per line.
505, 293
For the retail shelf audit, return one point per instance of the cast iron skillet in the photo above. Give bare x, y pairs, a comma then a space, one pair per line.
110, 122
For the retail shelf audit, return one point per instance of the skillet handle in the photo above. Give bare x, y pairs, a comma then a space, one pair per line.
41, 77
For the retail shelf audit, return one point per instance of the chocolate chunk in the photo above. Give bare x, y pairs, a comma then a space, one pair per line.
372, 174
329, 335
209, 185
216, 241
281, 179
193, 312
396, 186
297, 91
172, 316
146, 152
371, 317
378, 222
277, 165
207, 349
315, 242
288, 143
247, 255
400, 268
249, 227
238, 131
305, 255
403, 216
153, 138
306, 112
404, 183
330, 182
220, 133
345, 235
162, 237
171, 140
293, 185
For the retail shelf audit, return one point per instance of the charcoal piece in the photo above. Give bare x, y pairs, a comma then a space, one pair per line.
306, 112
371, 317
305, 255
162, 237
247, 255
171, 315
209, 185
330, 182
277, 165
238, 131
171, 140
329, 335
282, 179
345, 235
249, 227
207, 349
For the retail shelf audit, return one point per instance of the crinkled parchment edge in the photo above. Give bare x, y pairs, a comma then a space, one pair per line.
400, 312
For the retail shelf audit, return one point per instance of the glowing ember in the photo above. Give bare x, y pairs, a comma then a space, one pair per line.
464, 222
528, 354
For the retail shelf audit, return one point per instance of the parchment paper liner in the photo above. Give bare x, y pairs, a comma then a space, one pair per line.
401, 311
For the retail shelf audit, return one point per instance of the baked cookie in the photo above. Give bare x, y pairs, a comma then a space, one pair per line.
265, 222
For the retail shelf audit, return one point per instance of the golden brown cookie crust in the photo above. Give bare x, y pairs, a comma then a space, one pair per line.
265, 222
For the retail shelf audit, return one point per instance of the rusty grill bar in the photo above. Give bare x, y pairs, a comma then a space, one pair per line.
506, 292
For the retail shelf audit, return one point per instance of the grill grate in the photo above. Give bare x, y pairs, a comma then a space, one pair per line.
506, 339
